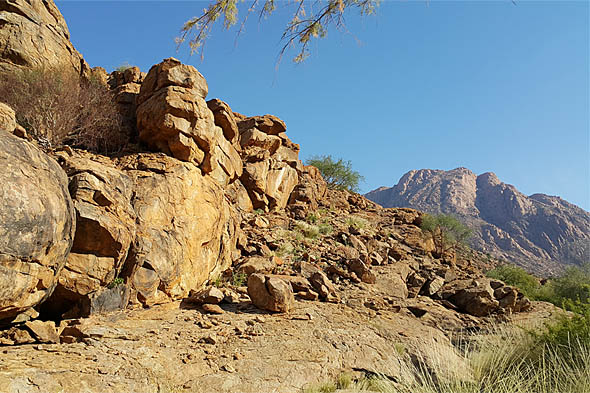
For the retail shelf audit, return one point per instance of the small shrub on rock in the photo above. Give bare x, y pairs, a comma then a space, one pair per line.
57, 107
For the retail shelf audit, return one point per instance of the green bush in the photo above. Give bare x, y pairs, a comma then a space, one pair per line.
116, 282
446, 231
517, 277
339, 174
573, 284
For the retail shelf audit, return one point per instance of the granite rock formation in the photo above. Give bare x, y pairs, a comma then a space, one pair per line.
33, 33
539, 232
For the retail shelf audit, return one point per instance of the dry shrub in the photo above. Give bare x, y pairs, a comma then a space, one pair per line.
57, 107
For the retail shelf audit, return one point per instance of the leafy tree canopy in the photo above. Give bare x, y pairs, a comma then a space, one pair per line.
309, 19
338, 174
446, 231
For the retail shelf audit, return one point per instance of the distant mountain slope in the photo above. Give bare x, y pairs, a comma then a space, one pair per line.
540, 232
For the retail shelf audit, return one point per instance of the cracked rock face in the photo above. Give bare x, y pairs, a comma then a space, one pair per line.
37, 225
33, 33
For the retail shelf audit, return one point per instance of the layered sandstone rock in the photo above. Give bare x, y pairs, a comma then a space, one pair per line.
37, 225
186, 229
126, 85
105, 228
33, 33
271, 163
173, 117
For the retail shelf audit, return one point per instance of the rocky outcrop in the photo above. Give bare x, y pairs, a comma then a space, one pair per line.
105, 229
271, 163
125, 86
539, 232
308, 193
173, 117
37, 225
186, 229
33, 33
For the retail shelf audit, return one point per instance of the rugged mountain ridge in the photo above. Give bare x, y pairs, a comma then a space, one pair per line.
539, 232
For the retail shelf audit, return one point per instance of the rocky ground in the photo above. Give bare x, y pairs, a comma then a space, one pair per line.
359, 320
178, 347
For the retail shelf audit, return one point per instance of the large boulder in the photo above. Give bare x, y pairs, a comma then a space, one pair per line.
33, 33
37, 225
270, 293
186, 229
173, 117
105, 228
271, 161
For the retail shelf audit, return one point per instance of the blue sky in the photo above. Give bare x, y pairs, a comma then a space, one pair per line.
490, 86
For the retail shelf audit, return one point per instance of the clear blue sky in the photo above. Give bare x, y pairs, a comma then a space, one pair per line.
490, 86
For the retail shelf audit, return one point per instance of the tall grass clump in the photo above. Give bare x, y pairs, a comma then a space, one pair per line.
502, 360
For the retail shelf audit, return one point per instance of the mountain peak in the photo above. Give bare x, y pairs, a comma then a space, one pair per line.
539, 231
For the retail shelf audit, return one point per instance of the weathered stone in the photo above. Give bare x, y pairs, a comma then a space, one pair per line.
238, 196
434, 285
186, 229
225, 119
36, 225
43, 331
211, 295
362, 271
270, 293
298, 283
212, 308
105, 228
173, 117
309, 191
322, 284
16, 336
475, 297
7, 118
257, 265
34, 34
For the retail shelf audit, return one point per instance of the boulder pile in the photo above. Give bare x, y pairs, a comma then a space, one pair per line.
201, 195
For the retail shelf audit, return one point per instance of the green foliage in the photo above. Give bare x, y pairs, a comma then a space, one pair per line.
123, 67
116, 282
339, 174
558, 336
308, 230
445, 230
517, 277
573, 284
238, 279
356, 222
312, 218
325, 229
308, 19
259, 212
